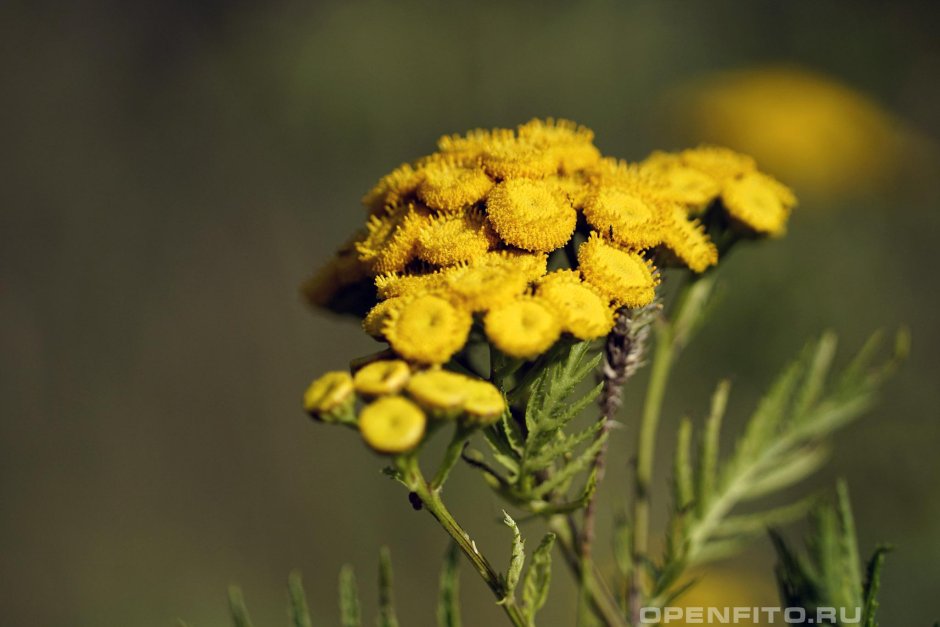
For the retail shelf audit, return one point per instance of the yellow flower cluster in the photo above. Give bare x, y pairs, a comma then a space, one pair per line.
399, 401
470, 232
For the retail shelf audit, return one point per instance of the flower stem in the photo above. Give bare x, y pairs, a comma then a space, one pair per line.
431, 500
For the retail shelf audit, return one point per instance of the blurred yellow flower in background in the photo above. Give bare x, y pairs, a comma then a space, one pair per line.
728, 587
821, 136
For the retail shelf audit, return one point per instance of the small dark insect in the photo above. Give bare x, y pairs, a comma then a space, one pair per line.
415, 501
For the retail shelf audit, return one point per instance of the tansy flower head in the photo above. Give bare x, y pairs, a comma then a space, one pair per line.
623, 276
392, 237
481, 286
685, 185
524, 327
382, 377
427, 329
378, 316
343, 272
570, 145
686, 240
450, 239
631, 216
532, 215
392, 425
581, 310
511, 157
451, 187
330, 397
398, 284
722, 164
483, 403
759, 202
393, 188
439, 391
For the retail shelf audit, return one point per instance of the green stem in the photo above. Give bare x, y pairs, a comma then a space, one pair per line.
451, 456
431, 500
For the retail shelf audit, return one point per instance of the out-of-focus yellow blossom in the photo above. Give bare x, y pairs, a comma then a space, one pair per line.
581, 310
533, 215
427, 329
623, 276
392, 425
329, 395
722, 164
687, 242
815, 132
378, 316
759, 202
524, 327
720, 590
343, 270
451, 239
387, 376
439, 390
451, 187
483, 403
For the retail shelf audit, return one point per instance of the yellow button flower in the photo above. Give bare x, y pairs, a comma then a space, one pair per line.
582, 311
450, 239
759, 202
631, 217
392, 425
403, 284
621, 275
382, 377
722, 164
393, 188
439, 390
452, 187
483, 402
478, 287
375, 321
533, 215
686, 240
525, 327
427, 329
390, 243
330, 395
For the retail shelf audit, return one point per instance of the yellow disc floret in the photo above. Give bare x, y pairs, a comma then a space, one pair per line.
483, 403
686, 240
759, 202
533, 215
387, 376
452, 187
451, 239
582, 311
330, 394
427, 329
481, 286
525, 327
438, 390
392, 425
621, 275
629, 216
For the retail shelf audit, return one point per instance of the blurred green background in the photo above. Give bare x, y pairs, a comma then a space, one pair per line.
172, 171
